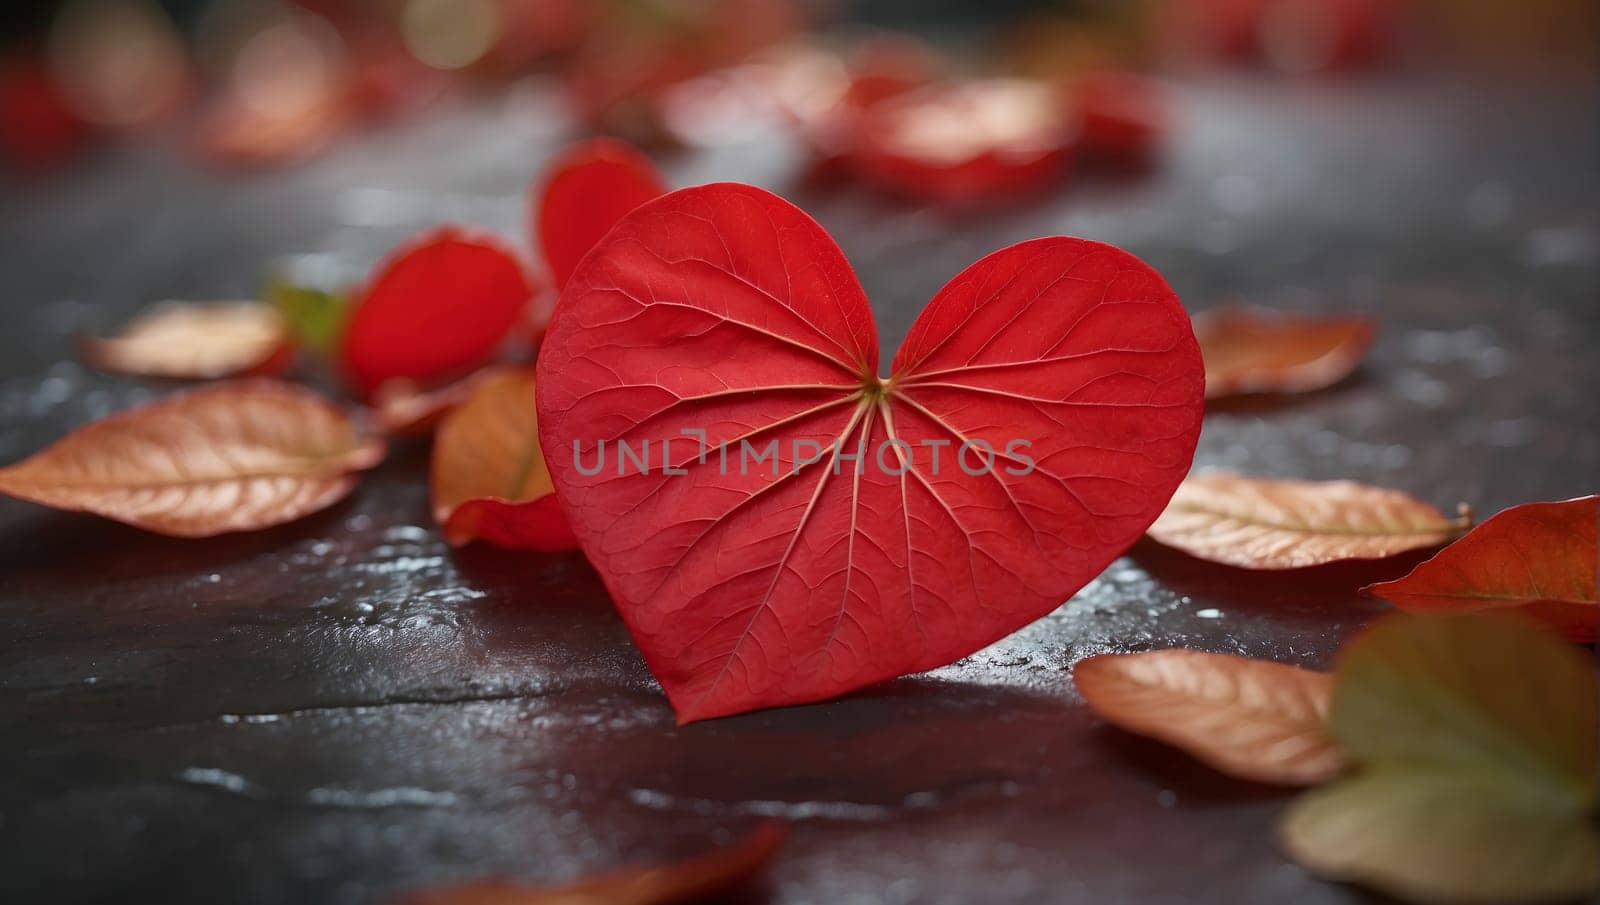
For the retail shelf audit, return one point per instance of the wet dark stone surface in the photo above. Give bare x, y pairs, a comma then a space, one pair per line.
343, 707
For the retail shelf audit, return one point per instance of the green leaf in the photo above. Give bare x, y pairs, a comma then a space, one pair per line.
316, 317
1478, 738
1431, 834
1485, 692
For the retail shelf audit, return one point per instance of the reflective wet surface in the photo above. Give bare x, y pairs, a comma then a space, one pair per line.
343, 707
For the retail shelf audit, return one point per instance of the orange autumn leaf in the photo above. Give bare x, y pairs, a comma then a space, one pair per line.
1260, 523
489, 475
196, 341
403, 408
1253, 719
232, 457
705, 877
1254, 350
1537, 558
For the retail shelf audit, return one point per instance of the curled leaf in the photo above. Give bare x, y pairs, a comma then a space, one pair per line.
439, 306
489, 477
703, 878
1537, 558
1253, 719
196, 341
1260, 523
233, 457
1254, 350
589, 187
1444, 836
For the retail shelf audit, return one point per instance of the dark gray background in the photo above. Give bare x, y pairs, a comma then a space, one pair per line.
343, 707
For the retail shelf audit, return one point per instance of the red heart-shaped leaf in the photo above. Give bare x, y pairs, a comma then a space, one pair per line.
439, 306
750, 581
587, 190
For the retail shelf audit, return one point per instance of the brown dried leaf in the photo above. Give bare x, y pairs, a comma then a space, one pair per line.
232, 457
1259, 523
196, 341
489, 477
704, 877
1255, 350
1253, 719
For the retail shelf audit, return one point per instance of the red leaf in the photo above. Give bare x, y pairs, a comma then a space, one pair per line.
1538, 558
967, 140
489, 476
727, 309
707, 877
231, 457
439, 306
825, 97
589, 188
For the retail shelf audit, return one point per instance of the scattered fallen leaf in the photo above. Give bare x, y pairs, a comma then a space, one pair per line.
1253, 719
1260, 523
1538, 558
489, 477
587, 189
706, 877
316, 317
404, 408
195, 341
438, 307
824, 97
1445, 836
752, 582
1478, 739
1254, 350
231, 457
1484, 691
967, 140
